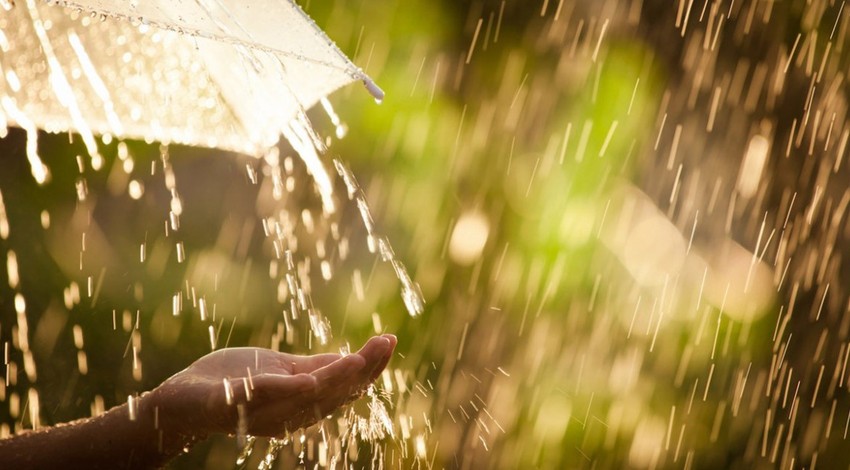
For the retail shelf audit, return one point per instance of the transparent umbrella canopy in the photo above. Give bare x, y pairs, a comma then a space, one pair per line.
224, 74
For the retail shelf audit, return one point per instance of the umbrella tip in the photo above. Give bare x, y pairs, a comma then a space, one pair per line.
374, 90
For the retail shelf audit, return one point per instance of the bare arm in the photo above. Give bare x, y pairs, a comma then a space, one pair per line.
263, 392
111, 440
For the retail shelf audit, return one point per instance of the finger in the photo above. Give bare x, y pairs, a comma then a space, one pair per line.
376, 372
270, 387
338, 372
281, 405
351, 383
336, 384
374, 351
278, 383
391, 338
340, 383
308, 364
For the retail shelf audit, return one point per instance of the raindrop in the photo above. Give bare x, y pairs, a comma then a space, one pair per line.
181, 253
82, 189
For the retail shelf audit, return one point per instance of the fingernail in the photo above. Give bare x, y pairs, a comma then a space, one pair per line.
393, 342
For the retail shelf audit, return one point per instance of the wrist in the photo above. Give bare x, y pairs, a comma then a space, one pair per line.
174, 433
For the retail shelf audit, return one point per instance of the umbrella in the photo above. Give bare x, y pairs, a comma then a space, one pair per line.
213, 73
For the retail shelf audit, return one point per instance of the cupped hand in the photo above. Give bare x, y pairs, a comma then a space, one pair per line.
264, 392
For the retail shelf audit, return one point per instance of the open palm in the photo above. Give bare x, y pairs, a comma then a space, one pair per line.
264, 392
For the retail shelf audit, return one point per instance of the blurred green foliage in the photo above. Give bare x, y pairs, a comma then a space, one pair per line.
525, 358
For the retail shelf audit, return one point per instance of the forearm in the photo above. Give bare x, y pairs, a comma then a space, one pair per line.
112, 440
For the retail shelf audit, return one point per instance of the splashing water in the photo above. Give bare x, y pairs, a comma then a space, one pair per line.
275, 445
246, 451
374, 428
